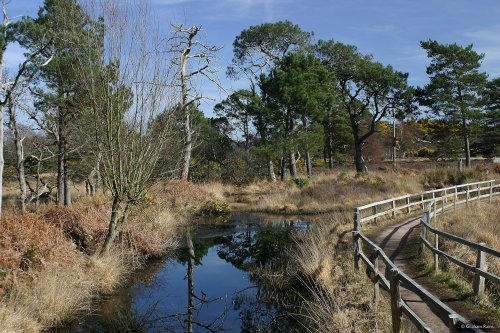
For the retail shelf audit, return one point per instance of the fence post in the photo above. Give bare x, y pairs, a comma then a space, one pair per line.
426, 219
478, 279
375, 212
396, 311
491, 190
455, 198
478, 192
393, 208
408, 204
436, 256
467, 196
452, 323
442, 203
435, 212
356, 239
376, 286
422, 201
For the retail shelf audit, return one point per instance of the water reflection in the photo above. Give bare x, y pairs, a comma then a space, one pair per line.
207, 287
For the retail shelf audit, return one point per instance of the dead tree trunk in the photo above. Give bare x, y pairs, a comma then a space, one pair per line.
188, 145
98, 173
190, 276
18, 141
293, 164
61, 156
2, 162
190, 48
270, 168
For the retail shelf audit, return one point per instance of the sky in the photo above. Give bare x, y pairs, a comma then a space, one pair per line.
390, 30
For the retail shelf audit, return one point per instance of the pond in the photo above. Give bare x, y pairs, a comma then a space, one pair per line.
207, 286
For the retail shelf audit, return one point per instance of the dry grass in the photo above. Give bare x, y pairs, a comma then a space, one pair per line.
48, 270
443, 177
217, 190
327, 192
335, 297
59, 293
478, 223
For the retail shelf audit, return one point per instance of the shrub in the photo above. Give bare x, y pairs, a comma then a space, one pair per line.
216, 207
299, 182
496, 168
427, 152
439, 178
319, 163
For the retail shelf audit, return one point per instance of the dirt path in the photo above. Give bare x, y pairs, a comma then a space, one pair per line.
401, 244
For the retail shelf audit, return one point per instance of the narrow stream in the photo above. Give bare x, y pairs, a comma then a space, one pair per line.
210, 291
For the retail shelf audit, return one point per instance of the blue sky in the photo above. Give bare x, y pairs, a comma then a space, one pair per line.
390, 30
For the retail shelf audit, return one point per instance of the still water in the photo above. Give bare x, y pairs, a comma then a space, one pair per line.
207, 285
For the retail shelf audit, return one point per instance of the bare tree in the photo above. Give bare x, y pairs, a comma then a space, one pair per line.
195, 60
18, 142
129, 83
8, 86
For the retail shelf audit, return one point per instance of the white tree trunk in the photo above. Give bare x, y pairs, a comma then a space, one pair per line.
2, 63
270, 168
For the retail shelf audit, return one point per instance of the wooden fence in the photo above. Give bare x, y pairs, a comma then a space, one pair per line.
479, 269
392, 279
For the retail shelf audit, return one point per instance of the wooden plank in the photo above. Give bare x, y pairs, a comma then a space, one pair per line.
382, 255
488, 276
419, 323
367, 262
417, 195
384, 283
463, 241
396, 308
413, 204
437, 306
478, 285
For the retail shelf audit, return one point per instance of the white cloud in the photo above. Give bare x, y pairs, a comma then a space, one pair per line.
489, 35
229, 10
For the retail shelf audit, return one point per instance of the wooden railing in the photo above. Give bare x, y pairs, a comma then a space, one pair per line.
480, 269
394, 278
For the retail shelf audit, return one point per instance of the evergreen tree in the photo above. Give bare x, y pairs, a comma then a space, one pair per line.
490, 128
297, 90
454, 91
58, 95
368, 90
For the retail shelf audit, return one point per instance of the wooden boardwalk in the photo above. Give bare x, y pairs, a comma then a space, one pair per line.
401, 244
389, 258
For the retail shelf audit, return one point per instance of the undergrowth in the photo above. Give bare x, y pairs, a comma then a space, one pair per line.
49, 270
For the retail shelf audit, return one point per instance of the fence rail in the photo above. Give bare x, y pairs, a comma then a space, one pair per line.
392, 279
480, 267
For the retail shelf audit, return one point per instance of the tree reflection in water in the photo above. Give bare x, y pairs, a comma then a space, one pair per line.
214, 301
